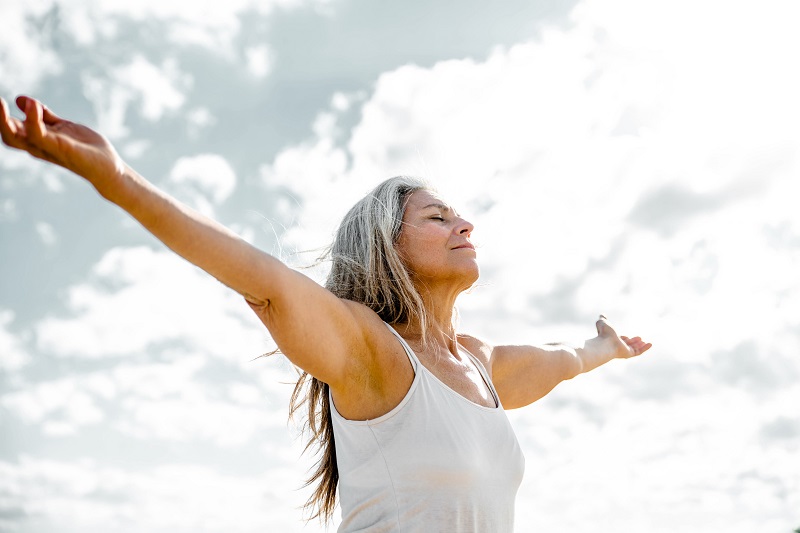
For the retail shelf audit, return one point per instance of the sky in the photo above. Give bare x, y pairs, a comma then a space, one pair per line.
635, 158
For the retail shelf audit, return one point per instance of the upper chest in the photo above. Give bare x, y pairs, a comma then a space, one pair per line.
459, 372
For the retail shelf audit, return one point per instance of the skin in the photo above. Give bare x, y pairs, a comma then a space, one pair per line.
342, 343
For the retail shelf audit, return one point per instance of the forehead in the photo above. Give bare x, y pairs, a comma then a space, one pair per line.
422, 199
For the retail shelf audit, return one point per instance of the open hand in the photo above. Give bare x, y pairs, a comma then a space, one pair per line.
620, 346
46, 136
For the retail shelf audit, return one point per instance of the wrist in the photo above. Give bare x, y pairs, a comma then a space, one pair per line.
595, 352
116, 182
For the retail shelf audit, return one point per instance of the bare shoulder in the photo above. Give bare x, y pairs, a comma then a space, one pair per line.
377, 338
376, 333
377, 379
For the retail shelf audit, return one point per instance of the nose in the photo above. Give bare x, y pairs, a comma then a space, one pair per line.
465, 228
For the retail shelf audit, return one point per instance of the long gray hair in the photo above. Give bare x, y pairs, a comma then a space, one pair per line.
366, 268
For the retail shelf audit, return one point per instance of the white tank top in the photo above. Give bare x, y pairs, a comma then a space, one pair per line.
436, 462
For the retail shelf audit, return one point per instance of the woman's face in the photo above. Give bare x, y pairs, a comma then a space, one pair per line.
434, 242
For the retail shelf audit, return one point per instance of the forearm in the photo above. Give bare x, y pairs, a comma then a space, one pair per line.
523, 374
195, 237
592, 354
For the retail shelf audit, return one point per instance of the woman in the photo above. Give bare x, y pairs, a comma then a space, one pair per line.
408, 412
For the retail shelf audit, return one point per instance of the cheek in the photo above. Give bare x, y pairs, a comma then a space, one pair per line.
417, 247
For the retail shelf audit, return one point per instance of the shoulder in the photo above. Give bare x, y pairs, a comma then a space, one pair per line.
377, 377
376, 334
382, 351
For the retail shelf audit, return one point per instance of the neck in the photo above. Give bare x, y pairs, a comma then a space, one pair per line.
440, 307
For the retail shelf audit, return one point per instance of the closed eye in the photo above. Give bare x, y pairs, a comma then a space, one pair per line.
437, 218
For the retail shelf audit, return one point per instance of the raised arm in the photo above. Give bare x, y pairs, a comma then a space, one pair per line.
316, 330
524, 374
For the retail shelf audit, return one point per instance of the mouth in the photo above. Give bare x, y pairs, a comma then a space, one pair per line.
467, 246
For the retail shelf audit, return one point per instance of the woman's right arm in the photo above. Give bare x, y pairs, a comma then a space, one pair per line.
320, 333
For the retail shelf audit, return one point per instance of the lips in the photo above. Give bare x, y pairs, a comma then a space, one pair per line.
465, 245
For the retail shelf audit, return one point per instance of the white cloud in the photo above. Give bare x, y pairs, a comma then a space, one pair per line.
110, 104
140, 298
26, 57
340, 102
8, 210
60, 404
12, 346
259, 60
245, 394
198, 119
157, 89
206, 23
314, 173
168, 401
161, 401
203, 180
698, 467
176, 419
84, 496
135, 149
46, 233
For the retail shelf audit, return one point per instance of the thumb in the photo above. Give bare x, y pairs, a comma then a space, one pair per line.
603, 329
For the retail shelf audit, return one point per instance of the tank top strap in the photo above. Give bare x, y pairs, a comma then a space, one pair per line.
409, 352
484, 375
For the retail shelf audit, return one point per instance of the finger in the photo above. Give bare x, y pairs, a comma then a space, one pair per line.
11, 129
39, 141
22, 102
6, 120
14, 134
7, 127
48, 116
33, 121
3, 109
642, 347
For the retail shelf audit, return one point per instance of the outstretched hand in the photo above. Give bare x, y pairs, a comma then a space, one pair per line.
46, 136
620, 346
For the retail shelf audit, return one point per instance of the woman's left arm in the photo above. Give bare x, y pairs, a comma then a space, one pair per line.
524, 374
